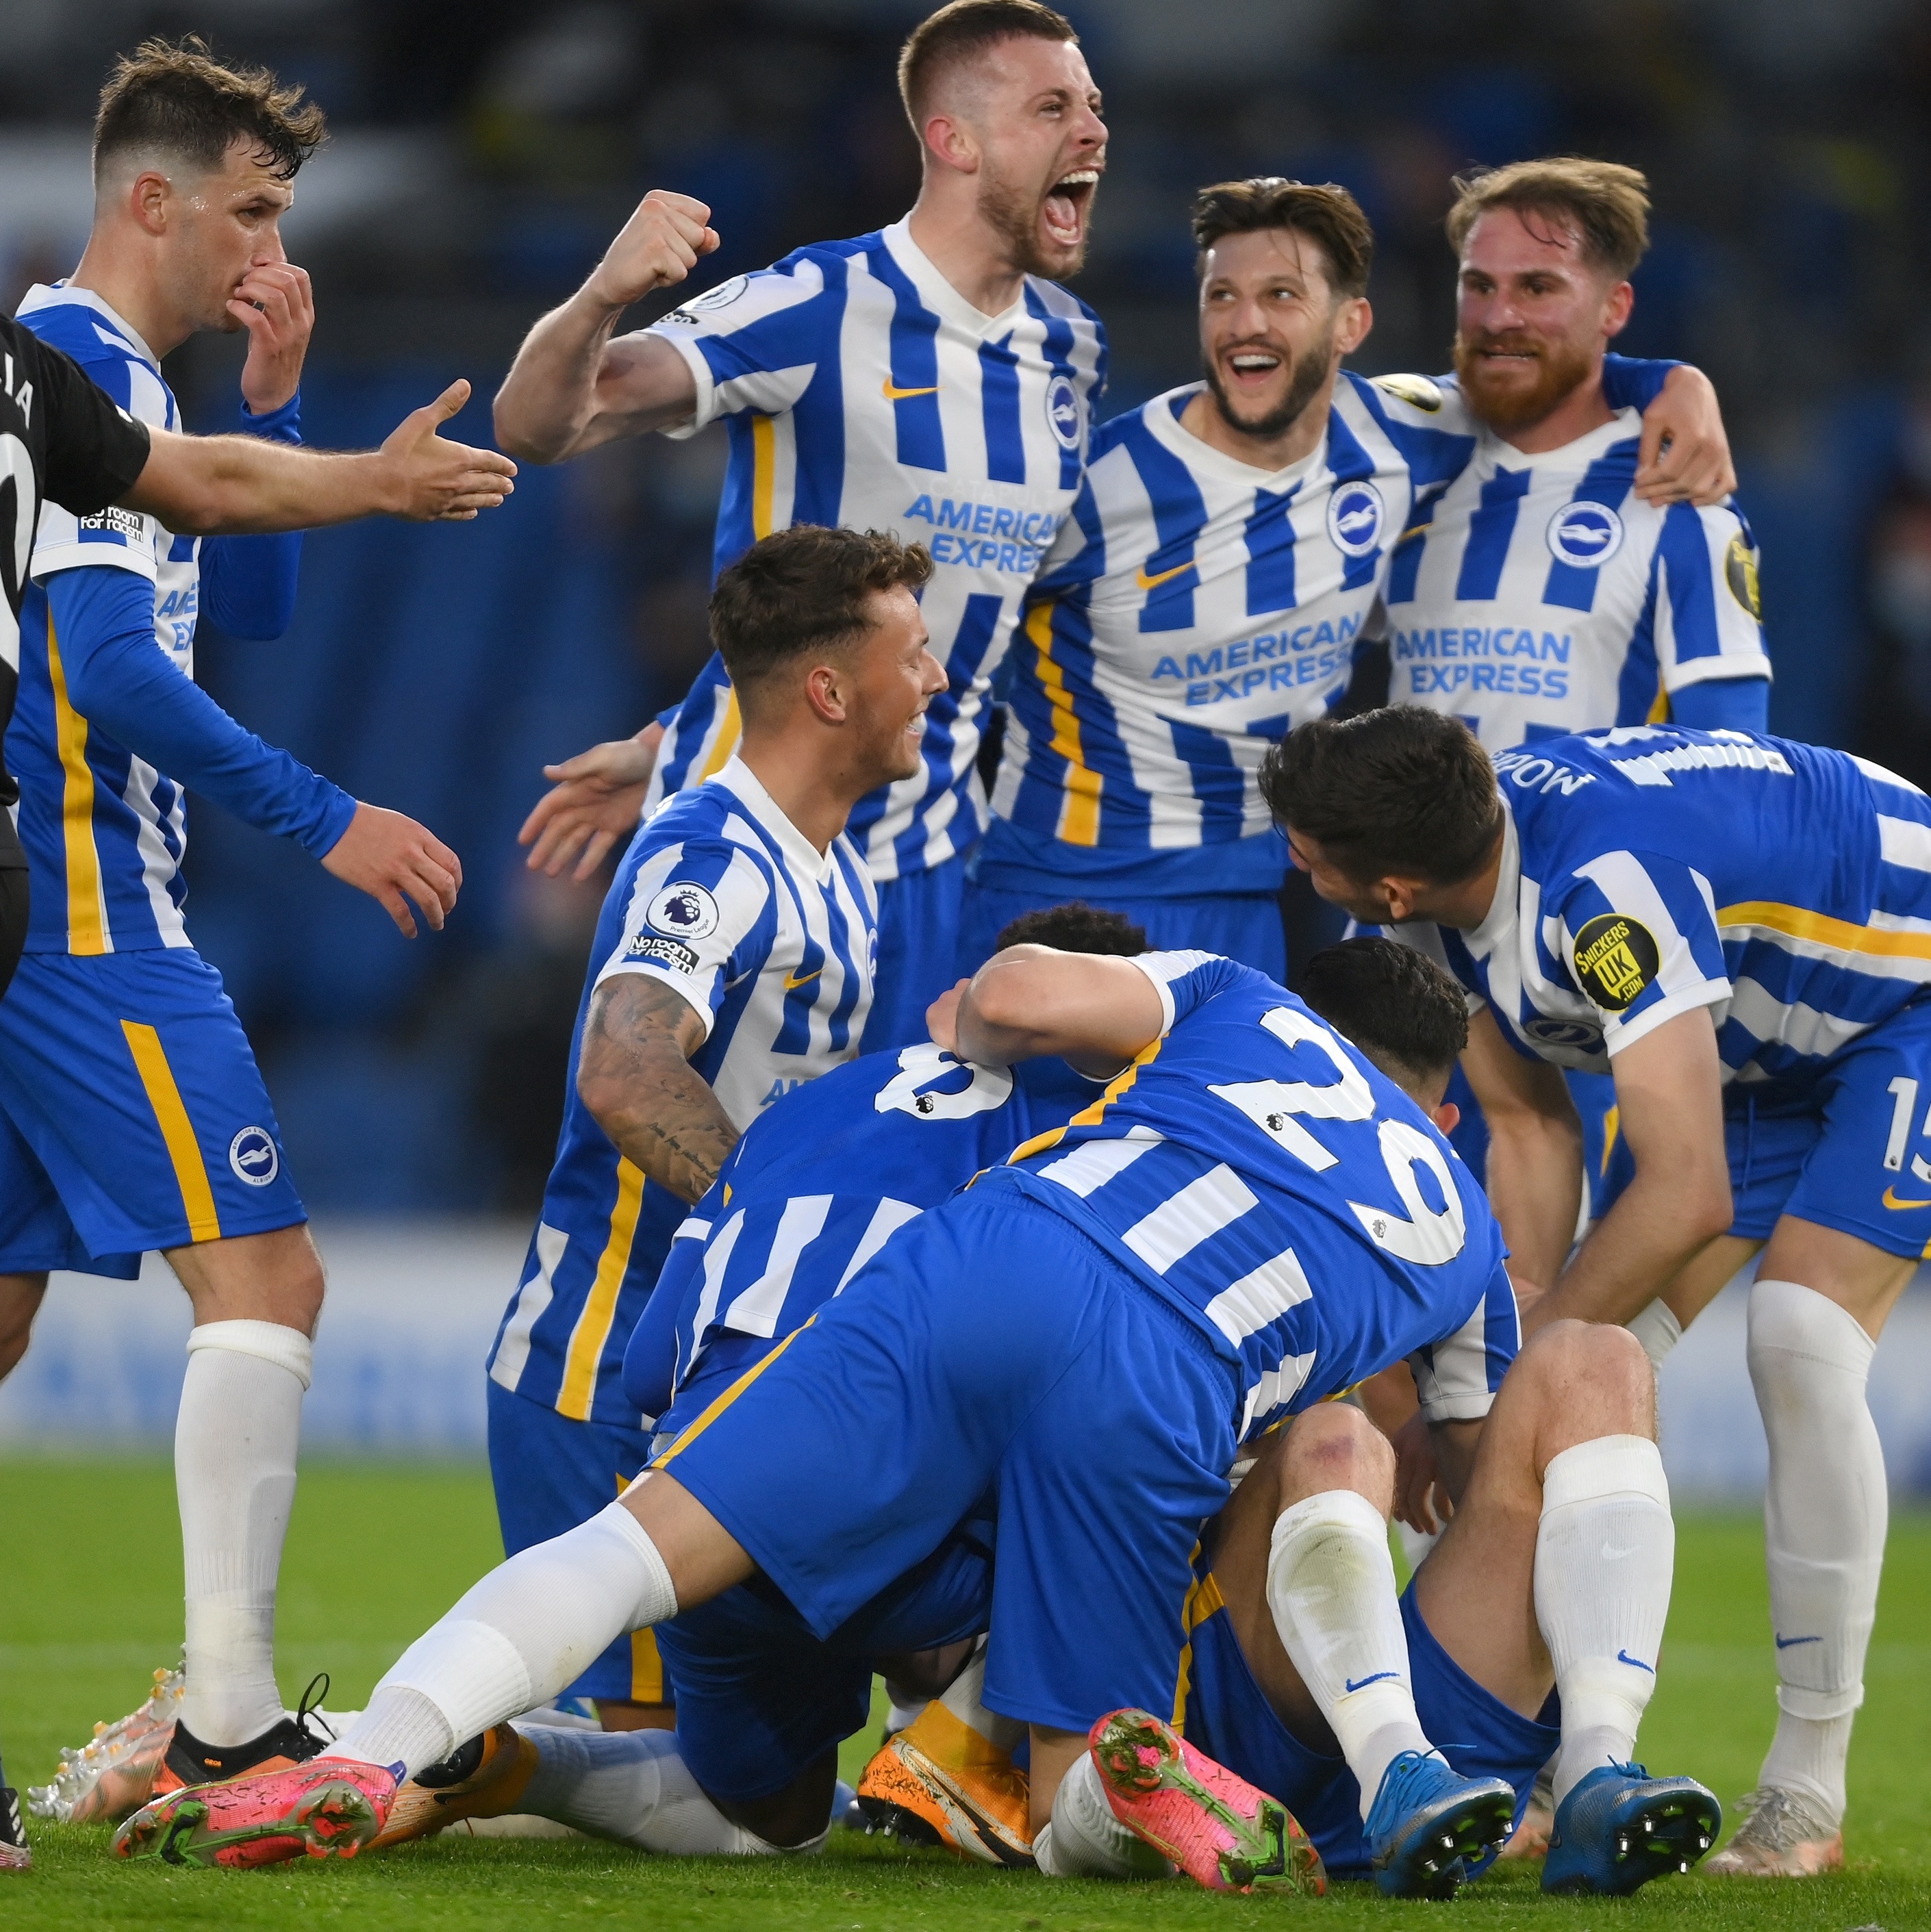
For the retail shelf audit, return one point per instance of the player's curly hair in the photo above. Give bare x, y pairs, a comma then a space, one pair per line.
1324, 211
1398, 793
1075, 927
1609, 203
173, 97
802, 591
1396, 1004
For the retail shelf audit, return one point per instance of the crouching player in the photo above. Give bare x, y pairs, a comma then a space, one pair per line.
1083, 1338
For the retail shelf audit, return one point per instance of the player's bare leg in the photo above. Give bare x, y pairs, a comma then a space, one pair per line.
1820, 1300
20, 1297
1555, 1573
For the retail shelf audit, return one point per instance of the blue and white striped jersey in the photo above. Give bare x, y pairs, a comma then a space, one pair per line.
104, 828
1305, 1216
813, 1191
1650, 870
1194, 609
1538, 595
722, 899
862, 388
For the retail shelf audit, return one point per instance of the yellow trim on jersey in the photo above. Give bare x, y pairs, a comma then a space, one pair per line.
86, 904
647, 1669
1079, 818
184, 1151
1658, 711
728, 733
1612, 1126
692, 1430
1795, 922
764, 473
588, 1338
1090, 1116
1203, 1598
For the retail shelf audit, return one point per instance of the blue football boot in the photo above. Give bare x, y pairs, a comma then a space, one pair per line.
1619, 1828
1428, 1825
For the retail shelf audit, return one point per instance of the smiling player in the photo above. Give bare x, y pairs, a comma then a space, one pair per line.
1224, 559
732, 964
929, 380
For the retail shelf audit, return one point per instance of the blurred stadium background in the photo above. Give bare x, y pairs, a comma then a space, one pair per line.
482, 153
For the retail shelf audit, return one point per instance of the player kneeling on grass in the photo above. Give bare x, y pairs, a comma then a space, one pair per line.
1091, 1330
1306, 1678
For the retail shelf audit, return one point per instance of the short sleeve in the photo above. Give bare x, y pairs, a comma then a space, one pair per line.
124, 538
700, 916
1637, 933
755, 342
1457, 1377
1185, 980
95, 450
1708, 616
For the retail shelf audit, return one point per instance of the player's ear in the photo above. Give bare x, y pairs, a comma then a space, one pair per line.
827, 693
1616, 307
951, 142
1351, 329
1447, 1117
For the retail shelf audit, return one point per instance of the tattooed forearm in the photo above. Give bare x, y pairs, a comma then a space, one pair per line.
634, 1076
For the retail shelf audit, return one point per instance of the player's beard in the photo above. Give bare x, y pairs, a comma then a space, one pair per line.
1305, 376
1012, 211
1561, 368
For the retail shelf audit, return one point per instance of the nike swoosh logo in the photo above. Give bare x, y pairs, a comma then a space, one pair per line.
1147, 582
793, 981
893, 394
1623, 1657
1785, 1643
1611, 1552
1890, 1200
1362, 1683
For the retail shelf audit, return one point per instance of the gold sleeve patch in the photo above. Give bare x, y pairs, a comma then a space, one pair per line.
1417, 392
1740, 573
1616, 957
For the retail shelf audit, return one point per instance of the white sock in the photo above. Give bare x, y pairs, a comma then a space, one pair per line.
1825, 1514
901, 1706
532, 1625
633, 1786
964, 1698
1415, 1544
1084, 1840
1658, 1330
236, 1436
1330, 1586
1605, 1552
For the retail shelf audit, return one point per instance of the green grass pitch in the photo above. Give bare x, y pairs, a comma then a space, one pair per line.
89, 1605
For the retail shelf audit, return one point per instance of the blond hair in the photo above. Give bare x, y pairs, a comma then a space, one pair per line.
1607, 203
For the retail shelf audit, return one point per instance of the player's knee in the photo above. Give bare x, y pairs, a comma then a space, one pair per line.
1591, 1373
1333, 1446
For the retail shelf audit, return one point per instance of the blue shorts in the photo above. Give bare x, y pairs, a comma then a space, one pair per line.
132, 1114
918, 940
760, 1699
1245, 926
550, 1475
1853, 1153
1225, 1714
991, 1350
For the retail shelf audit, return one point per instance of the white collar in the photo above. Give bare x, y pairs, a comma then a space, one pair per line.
1504, 907
804, 858
56, 295
1576, 455
1164, 423
939, 294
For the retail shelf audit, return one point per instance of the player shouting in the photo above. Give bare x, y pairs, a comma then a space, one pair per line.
928, 380
1737, 928
132, 1115
1225, 558
733, 963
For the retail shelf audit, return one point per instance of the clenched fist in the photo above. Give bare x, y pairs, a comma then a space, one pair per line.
658, 247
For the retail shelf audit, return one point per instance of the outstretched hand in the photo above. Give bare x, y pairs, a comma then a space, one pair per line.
435, 480
595, 799
396, 860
